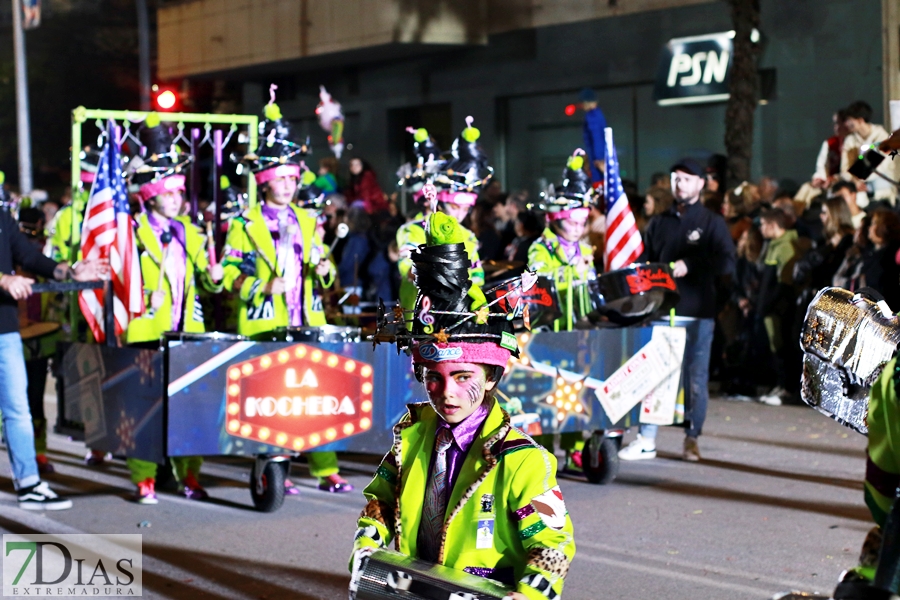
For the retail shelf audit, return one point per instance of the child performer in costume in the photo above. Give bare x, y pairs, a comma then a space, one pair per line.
173, 255
274, 259
457, 181
461, 487
559, 253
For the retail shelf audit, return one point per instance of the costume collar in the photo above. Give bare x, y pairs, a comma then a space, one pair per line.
464, 431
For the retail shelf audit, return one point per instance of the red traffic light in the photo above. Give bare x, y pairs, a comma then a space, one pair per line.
570, 110
165, 99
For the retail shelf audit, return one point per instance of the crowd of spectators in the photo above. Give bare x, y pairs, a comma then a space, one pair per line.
835, 230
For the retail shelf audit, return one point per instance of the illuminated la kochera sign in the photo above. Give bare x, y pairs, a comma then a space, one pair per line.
695, 69
298, 397
72, 565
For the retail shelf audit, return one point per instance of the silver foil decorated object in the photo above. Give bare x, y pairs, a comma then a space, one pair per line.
847, 339
389, 575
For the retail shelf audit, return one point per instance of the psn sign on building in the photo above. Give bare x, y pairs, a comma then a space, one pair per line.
694, 69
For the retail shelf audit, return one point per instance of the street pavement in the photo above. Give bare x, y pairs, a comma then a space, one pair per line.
776, 504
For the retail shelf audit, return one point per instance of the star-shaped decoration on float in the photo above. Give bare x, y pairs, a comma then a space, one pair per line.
481, 315
398, 313
441, 336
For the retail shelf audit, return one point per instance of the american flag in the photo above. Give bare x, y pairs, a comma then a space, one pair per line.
623, 240
107, 233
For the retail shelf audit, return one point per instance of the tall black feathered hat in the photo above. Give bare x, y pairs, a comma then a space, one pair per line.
574, 193
428, 160
278, 153
160, 165
452, 321
467, 169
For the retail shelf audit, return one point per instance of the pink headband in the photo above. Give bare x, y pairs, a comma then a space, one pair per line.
431, 353
88, 176
172, 183
460, 198
276, 172
575, 214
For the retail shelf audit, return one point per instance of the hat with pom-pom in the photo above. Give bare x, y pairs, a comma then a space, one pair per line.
460, 178
428, 160
277, 154
160, 166
573, 197
452, 320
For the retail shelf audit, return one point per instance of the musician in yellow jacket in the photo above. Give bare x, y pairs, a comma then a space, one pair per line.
276, 262
456, 182
461, 487
561, 255
173, 254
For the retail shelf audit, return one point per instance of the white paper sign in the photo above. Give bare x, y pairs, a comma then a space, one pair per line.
649, 368
658, 407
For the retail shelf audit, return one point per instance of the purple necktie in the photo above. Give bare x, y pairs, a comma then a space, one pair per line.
436, 498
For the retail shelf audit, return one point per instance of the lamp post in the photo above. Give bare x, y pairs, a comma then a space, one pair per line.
23, 125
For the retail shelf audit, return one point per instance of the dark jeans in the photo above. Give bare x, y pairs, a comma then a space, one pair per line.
695, 375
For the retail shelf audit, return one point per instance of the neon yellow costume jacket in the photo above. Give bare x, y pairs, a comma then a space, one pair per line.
505, 469
883, 464
152, 324
62, 233
547, 257
249, 246
409, 237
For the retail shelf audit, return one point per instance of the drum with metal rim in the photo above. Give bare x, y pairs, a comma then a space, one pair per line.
633, 295
542, 300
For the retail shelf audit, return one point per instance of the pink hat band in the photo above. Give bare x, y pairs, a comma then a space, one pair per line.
460, 198
88, 177
575, 214
431, 353
152, 189
276, 172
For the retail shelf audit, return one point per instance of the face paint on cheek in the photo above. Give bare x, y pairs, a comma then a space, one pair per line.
474, 389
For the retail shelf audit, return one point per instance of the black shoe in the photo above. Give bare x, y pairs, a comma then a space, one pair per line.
41, 497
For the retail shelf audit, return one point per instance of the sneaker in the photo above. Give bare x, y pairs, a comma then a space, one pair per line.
192, 490
95, 458
290, 489
574, 461
770, 400
691, 449
41, 497
146, 492
335, 484
640, 449
44, 466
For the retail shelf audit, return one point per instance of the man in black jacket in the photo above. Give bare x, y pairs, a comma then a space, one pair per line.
16, 250
697, 243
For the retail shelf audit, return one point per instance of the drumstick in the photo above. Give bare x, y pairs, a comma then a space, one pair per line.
165, 238
211, 244
341, 232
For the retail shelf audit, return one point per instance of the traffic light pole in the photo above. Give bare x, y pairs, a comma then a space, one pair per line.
143, 23
23, 125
